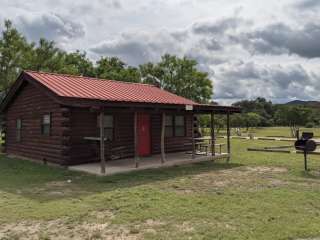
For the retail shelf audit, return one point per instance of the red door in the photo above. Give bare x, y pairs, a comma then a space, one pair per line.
143, 122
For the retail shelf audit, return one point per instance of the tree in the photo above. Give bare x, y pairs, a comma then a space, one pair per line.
77, 63
294, 117
46, 57
252, 120
219, 122
260, 106
131, 74
13, 50
180, 76
205, 122
115, 69
237, 120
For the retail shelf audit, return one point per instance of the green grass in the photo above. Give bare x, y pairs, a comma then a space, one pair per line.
256, 196
273, 132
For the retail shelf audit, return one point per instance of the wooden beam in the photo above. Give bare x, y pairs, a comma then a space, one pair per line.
136, 140
228, 136
193, 140
268, 150
213, 137
102, 145
199, 109
163, 130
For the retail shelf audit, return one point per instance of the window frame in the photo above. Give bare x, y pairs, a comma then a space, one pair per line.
43, 124
18, 130
108, 128
180, 126
169, 126
174, 126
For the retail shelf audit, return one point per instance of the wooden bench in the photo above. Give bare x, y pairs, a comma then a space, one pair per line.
207, 146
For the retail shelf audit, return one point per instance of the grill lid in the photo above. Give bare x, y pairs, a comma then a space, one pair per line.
307, 135
305, 145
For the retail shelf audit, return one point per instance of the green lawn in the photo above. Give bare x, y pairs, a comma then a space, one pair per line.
273, 132
257, 196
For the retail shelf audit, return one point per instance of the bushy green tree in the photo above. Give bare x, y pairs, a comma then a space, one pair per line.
260, 106
45, 56
252, 120
13, 51
115, 69
237, 120
77, 63
219, 122
180, 76
293, 116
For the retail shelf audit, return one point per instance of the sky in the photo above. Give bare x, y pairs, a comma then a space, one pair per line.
250, 48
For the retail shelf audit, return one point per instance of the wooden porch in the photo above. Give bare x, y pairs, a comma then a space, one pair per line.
163, 158
129, 164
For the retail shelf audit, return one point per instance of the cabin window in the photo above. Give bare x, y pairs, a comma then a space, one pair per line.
18, 129
169, 126
108, 126
179, 126
46, 124
175, 126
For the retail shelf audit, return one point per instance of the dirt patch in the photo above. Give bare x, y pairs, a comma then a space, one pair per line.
153, 223
102, 215
309, 238
66, 229
314, 173
62, 230
185, 227
97, 226
246, 178
262, 169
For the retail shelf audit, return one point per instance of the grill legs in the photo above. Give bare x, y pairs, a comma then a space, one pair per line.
305, 161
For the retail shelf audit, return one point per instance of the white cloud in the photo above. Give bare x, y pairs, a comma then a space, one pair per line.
49, 25
139, 47
250, 49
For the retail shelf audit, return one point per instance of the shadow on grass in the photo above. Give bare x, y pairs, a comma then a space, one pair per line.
43, 183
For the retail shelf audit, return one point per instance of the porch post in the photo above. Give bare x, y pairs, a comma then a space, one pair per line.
136, 154
102, 145
163, 129
213, 141
228, 136
193, 140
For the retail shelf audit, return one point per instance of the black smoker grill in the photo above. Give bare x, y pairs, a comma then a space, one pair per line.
306, 145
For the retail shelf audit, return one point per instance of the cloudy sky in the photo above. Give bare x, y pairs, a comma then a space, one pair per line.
250, 48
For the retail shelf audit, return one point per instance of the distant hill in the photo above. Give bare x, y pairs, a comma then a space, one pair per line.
304, 103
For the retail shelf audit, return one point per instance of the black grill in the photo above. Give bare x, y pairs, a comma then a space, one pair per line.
307, 145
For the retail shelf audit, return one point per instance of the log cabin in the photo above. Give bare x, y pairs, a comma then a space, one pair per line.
69, 120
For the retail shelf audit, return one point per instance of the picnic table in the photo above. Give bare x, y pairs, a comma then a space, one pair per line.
205, 143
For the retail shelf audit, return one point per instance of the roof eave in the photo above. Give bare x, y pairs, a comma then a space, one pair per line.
219, 109
84, 102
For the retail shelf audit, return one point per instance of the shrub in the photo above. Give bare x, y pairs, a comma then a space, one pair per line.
310, 125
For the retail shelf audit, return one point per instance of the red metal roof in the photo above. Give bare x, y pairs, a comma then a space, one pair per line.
106, 90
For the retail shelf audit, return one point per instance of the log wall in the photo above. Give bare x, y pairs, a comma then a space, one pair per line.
66, 144
30, 105
172, 144
84, 124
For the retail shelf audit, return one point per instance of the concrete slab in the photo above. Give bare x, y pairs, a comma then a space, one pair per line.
128, 164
